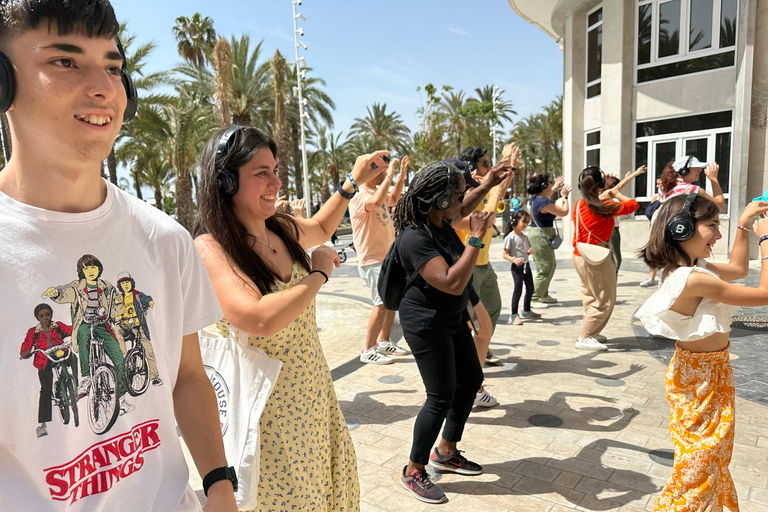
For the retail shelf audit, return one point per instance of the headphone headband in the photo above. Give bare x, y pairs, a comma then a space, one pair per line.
227, 182
600, 183
685, 170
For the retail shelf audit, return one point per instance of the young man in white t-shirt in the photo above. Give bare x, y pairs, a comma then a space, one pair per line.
373, 233
65, 94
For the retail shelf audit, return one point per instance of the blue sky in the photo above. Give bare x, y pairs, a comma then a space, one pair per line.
378, 51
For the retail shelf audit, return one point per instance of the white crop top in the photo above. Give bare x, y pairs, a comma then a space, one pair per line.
710, 317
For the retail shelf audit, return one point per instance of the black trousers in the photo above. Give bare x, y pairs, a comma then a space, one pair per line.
448, 364
521, 274
45, 406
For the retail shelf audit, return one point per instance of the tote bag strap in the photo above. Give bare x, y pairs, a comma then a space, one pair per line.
579, 220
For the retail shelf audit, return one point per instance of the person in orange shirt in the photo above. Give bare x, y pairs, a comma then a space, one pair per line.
373, 233
593, 221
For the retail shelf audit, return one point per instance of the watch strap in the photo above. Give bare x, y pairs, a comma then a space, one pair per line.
222, 473
475, 242
343, 193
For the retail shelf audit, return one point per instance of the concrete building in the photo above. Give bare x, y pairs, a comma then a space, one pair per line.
648, 80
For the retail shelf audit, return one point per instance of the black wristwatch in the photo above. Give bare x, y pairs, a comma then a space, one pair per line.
343, 193
222, 473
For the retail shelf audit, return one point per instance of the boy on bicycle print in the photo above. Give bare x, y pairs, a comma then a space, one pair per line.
92, 300
131, 306
44, 335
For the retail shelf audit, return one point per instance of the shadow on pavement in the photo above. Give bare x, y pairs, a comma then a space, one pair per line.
623, 486
579, 365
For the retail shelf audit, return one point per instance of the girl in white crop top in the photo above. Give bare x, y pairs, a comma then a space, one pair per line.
693, 306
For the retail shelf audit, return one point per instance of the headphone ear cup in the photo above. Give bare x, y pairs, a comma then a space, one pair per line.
227, 182
681, 228
7, 83
130, 93
443, 202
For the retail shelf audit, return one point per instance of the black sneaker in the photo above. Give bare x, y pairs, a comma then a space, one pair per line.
422, 487
455, 463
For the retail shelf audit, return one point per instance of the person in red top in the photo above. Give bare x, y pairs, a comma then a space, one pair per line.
593, 220
43, 336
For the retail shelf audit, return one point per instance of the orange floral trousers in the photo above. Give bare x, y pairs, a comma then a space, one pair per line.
701, 397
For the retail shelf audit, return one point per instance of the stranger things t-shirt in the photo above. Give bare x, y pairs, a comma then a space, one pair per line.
423, 305
87, 268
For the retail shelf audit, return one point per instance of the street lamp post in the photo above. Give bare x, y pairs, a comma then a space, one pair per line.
302, 102
495, 101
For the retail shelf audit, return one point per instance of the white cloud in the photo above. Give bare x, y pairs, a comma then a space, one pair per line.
458, 31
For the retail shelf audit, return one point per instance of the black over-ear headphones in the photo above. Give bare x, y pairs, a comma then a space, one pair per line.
444, 200
8, 85
685, 170
226, 180
682, 227
600, 183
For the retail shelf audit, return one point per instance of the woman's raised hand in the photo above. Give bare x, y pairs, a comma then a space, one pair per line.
478, 223
566, 190
368, 166
324, 259
752, 210
711, 171
760, 227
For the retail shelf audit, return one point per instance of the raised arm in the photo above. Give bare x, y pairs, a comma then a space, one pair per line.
624, 182
738, 265
397, 191
717, 192
381, 194
559, 211
245, 307
324, 223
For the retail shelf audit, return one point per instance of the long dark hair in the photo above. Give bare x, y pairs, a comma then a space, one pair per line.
516, 217
663, 252
217, 217
590, 192
537, 183
432, 180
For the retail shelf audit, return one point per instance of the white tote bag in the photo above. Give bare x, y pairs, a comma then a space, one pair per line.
591, 253
242, 377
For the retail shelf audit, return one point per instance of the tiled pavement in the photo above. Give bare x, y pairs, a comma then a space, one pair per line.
611, 407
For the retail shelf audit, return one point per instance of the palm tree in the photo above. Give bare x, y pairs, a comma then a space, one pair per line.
482, 116
250, 85
385, 129
196, 38
158, 174
222, 65
282, 140
453, 108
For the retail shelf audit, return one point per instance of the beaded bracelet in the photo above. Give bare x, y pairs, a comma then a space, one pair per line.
762, 239
352, 181
764, 258
742, 227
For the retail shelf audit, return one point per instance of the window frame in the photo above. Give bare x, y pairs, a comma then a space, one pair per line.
680, 138
684, 53
598, 80
593, 147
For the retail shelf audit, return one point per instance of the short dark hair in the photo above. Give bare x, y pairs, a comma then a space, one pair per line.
472, 154
41, 307
95, 18
663, 252
88, 260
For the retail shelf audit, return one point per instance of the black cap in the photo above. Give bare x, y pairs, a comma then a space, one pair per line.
464, 167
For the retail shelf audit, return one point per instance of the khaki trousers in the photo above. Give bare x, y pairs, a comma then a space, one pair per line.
598, 293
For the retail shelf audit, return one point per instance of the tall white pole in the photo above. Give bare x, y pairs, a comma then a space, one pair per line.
494, 99
307, 192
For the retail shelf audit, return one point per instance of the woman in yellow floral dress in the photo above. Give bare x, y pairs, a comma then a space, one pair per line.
694, 306
266, 285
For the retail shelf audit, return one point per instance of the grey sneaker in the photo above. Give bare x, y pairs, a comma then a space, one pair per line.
549, 300
454, 463
422, 488
125, 407
41, 430
529, 314
590, 343
82, 389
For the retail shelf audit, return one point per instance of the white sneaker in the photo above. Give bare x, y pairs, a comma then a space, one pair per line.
648, 283
373, 357
82, 389
390, 348
539, 305
590, 343
485, 399
125, 406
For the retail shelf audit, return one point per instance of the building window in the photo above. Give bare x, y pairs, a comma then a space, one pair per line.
594, 51
705, 136
679, 37
592, 153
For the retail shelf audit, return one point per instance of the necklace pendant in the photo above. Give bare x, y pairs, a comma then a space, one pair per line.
274, 251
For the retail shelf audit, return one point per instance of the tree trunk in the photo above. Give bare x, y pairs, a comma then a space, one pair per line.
298, 176
185, 209
159, 198
136, 181
458, 144
7, 142
197, 189
112, 166
283, 157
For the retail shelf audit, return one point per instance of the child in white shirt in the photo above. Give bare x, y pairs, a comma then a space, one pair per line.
517, 248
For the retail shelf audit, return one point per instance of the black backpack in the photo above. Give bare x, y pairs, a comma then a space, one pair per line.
393, 280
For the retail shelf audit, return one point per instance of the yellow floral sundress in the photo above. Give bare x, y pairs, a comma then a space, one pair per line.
307, 459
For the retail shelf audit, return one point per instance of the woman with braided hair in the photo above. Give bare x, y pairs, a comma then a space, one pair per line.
434, 315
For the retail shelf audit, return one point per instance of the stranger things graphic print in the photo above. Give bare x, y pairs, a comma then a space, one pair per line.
94, 365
